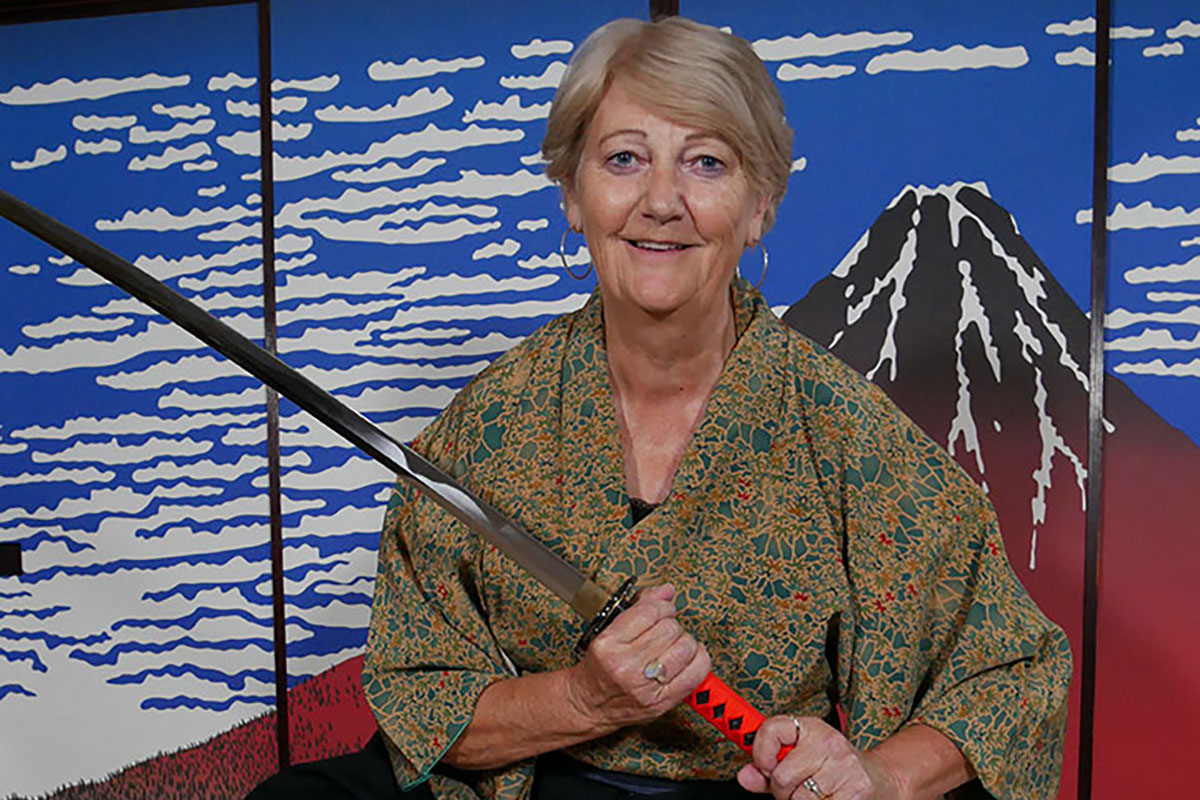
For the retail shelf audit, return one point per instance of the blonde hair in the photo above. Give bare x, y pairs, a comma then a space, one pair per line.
691, 73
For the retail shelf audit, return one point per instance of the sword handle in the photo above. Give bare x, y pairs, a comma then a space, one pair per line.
729, 713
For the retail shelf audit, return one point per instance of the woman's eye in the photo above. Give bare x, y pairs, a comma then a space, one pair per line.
710, 163
622, 159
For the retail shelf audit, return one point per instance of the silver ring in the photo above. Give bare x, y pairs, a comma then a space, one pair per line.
655, 671
796, 722
809, 783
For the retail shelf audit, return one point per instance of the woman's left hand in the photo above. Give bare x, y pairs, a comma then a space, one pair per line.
822, 766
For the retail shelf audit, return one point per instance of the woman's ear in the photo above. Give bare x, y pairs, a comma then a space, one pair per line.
759, 214
571, 208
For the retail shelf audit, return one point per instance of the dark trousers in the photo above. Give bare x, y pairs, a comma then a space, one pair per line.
367, 775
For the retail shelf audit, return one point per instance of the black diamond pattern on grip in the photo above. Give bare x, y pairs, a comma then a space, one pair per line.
702, 697
718, 711
735, 723
748, 739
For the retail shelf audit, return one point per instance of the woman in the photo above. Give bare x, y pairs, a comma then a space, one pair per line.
794, 531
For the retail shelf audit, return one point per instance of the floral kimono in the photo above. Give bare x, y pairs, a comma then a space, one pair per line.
826, 551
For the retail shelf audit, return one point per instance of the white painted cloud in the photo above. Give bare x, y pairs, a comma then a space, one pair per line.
282, 132
510, 110
1143, 215
25, 269
1075, 27
1153, 339
91, 353
811, 45
188, 401
1190, 369
1188, 135
93, 122
813, 72
533, 224
1184, 28
81, 477
533, 159
1164, 50
246, 277
1184, 243
356, 471
372, 372
41, 158
182, 111
61, 261
1123, 318
580, 256
65, 90
160, 219
549, 78
422, 101
394, 227
406, 317
233, 232
169, 156
208, 165
241, 143
416, 68
508, 247
165, 268
1080, 56
388, 172
1168, 273
399, 146
230, 80
111, 452
1172, 297
206, 470
389, 398
7, 449
799, 164
536, 48
363, 282
189, 369
1149, 166
1130, 32
75, 325
321, 83
211, 191
86, 148
138, 134
953, 58
469, 184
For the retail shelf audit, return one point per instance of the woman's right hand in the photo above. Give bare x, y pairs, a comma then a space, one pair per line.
610, 686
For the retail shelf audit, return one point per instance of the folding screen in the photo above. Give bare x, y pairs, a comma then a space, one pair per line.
936, 235
140, 624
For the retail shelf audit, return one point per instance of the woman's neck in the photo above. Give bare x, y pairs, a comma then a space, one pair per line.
657, 359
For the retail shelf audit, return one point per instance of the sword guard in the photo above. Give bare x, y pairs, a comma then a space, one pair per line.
618, 602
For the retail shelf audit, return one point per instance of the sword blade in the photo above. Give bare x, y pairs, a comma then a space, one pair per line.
543, 564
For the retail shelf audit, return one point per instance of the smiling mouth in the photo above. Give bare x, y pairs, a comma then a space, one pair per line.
657, 247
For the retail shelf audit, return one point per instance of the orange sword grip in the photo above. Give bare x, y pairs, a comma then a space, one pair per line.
729, 713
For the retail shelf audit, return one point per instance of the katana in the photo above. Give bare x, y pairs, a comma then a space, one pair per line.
712, 699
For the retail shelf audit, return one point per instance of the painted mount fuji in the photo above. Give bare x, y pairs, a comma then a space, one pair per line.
947, 308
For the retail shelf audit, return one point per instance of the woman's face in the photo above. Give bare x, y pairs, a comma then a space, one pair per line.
666, 209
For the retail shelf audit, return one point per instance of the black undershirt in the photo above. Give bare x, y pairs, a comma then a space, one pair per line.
639, 509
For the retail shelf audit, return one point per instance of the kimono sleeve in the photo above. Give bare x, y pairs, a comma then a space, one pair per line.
429, 653
943, 633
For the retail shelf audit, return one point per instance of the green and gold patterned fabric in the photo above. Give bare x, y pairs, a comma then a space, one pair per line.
805, 499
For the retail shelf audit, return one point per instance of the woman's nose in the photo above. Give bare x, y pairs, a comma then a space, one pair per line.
663, 198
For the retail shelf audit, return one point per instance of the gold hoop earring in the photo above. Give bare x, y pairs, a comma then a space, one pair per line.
766, 263
562, 243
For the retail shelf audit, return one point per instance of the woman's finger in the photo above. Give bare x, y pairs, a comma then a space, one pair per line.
653, 604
